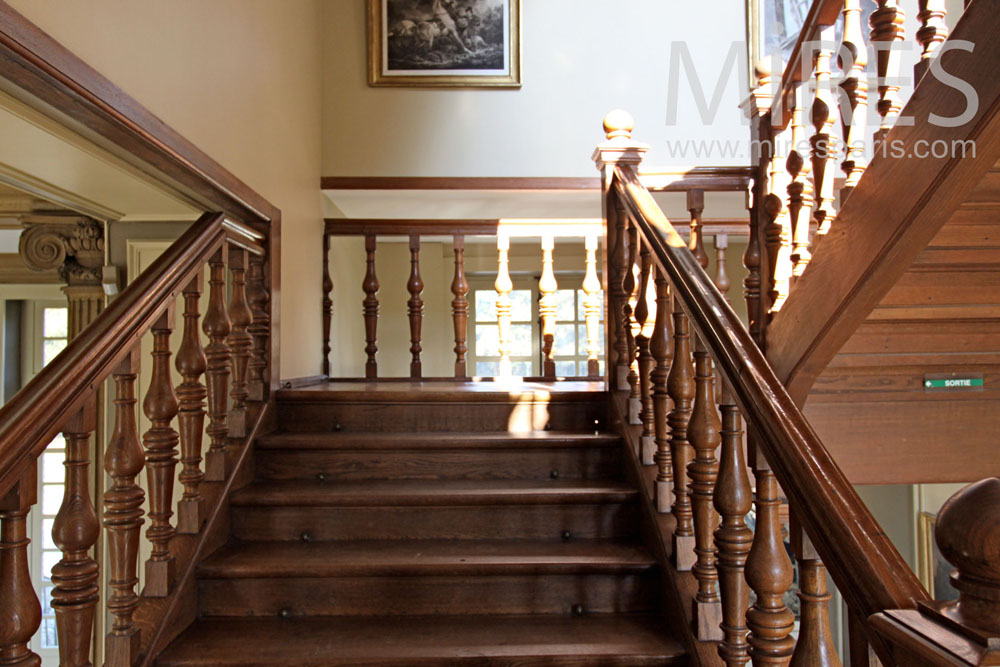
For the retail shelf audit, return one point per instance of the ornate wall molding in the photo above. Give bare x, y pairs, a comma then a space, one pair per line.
71, 244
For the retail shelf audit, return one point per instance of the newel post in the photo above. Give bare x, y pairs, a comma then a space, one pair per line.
619, 149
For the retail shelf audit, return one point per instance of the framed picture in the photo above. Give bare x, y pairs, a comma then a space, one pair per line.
934, 570
456, 43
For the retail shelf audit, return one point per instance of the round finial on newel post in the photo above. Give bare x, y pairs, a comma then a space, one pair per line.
968, 535
618, 123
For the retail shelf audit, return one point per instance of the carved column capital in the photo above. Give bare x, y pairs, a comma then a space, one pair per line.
71, 244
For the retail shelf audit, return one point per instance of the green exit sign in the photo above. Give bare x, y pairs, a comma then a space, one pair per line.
953, 383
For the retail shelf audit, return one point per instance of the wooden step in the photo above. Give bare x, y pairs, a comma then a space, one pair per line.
438, 641
423, 407
363, 456
449, 510
426, 577
423, 557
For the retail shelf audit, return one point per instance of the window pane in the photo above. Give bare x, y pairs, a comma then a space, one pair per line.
582, 339
486, 306
487, 368
47, 601
49, 637
566, 368
52, 495
521, 301
520, 338
47, 542
52, 467
49, 559
565, 340
50, 348
522, 368
57, 443
54, 323
487, 340
582, 369
564, 305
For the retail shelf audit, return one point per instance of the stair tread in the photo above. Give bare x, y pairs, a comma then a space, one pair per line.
443, 440
415, 557
427, 640
434, 492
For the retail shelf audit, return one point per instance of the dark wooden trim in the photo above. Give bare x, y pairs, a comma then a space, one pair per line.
307, 381
866, 566
709, 179
486, 227
46, 71
458, 183
34, 415
910, 198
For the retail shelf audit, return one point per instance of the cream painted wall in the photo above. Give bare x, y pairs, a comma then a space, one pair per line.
241, 80
581, 58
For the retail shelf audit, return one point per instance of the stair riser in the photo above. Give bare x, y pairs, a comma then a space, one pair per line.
603, 521
302, 417
535, 464
546, 594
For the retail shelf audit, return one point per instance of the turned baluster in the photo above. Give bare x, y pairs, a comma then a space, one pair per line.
75, 531
216, 326
240, 343
696, 205
160, 407
460, 307
647, 441
415, 306
504, 287
752, 281
704, 434
260, 330
853, 109
721, 280
547, 287
799, 191
592, 305
619, 297
931, 34
370, 307
814, 647
660, 348
778, 232
327, 304
191, 393
822, 141
680, 384
20, 611
123, 462
887, 38
733, 499
631, 325
769, 574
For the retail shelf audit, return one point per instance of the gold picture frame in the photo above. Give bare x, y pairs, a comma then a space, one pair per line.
444, 43
932, 570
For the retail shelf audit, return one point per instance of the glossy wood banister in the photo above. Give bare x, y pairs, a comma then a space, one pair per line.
865, 565
26, 420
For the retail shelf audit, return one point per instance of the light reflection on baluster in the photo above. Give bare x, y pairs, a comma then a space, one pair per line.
822, 142
592, 306
853, 61
631, 286
778, 231
662, 351
547, 287
931, 35
619, 262
504, 287
680, 384
799, 190
647, 442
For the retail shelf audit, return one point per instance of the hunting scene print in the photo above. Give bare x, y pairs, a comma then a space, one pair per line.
446, 34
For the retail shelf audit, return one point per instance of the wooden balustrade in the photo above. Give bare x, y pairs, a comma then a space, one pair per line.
547, 287
240, 342
662, 351
460, 307
63, 398
415, 307
647, 444
370, 286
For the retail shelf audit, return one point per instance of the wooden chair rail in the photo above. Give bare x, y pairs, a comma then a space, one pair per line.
30, 420
865, 565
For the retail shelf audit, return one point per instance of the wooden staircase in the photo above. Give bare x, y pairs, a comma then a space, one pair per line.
369, 539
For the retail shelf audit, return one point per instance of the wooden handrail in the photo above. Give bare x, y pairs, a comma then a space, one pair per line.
709, 179
402, 227
34, 415
866, 566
